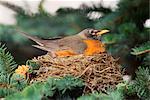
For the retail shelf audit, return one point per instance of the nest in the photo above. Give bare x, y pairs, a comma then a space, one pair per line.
99, 72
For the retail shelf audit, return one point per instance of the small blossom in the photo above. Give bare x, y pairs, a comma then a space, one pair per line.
22, 70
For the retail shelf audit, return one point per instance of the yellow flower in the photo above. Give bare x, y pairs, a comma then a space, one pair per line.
22, 70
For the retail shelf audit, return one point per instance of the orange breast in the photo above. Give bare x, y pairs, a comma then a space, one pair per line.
65, 53
94, 47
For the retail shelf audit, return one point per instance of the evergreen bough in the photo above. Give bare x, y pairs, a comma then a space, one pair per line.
7, 63
7, 67
144, 48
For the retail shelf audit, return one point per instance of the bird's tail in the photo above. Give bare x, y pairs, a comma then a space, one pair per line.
33, 38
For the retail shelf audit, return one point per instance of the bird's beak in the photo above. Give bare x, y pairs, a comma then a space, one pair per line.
102, 32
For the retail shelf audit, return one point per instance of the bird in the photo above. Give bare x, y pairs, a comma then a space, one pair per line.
80, 43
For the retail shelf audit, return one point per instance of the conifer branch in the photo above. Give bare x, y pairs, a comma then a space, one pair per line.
144, 48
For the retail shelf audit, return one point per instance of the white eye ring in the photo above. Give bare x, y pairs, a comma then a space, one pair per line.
90, 31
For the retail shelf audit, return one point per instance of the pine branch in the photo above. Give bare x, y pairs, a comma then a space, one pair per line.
6, 91
7, 66
7, 63
85, 9
111, 95
51, 87
95, 7
144, 48
68, 83
142, 83
147, 60
34, 91
13, 7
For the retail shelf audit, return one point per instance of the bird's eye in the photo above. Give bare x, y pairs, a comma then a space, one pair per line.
93, 32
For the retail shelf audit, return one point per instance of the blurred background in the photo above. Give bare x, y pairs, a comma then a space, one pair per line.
128, 21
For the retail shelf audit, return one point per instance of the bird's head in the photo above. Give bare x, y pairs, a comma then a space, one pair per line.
90, 33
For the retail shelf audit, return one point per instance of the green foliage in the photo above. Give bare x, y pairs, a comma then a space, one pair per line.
68, 83
52, 86
11, 85
18, 81
93, 96
9, 81
142, 83
5, 86
7, 66
146, 60
144, 48
7, 91
7, 63
32, 92
112, 38
117, 94
33, 65
127, 29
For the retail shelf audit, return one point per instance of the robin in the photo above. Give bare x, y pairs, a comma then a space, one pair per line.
81, 43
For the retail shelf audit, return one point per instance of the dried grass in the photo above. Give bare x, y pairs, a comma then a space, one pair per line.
99, 71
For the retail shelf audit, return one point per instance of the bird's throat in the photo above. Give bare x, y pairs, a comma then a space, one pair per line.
94, 47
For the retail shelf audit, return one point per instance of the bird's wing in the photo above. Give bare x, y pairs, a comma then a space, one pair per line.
46, 45
33, 38
74, 43
43, 48
55, 38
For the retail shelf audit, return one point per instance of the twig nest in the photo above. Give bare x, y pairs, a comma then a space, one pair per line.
99, 71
